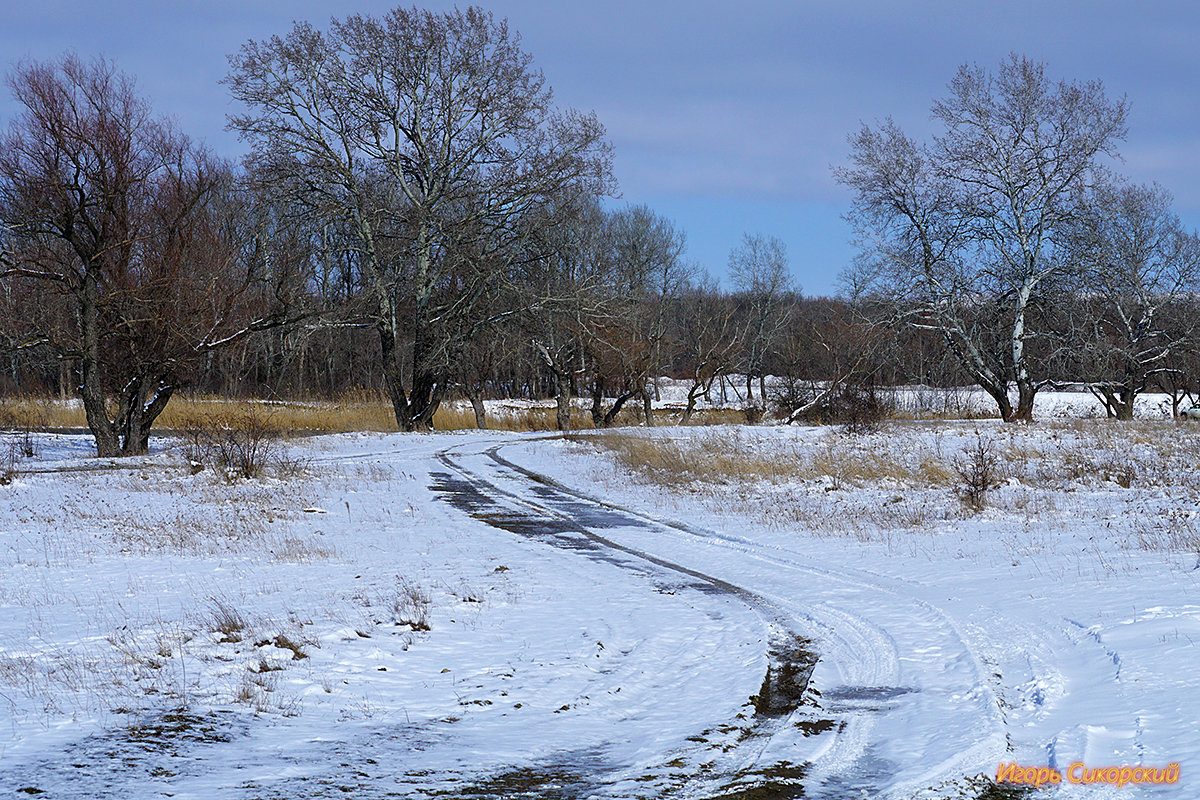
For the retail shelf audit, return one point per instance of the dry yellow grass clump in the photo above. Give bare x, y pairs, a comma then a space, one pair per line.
360, 411
920, 455
183, 413
1128, 478
332, 416
728, 456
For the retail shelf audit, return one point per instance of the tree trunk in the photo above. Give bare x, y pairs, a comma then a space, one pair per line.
135, 427
392, 379
602, 418
647, 409
562, 396
598, 404
92, 387
1025, 395
64, 380
694, 394
424, 401
480, 412
1025, 386
611, 415
1003, 403
1124, 402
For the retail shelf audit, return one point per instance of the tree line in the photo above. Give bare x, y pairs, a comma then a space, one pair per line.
416, 217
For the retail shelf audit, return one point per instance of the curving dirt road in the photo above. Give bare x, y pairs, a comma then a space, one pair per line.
876, 680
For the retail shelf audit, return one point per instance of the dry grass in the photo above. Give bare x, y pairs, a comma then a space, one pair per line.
165, 510
350, 413
915, 477
794, 484
37, 413
58, 680
1175, 533
728, 456
460, 416
355, 413
515, 416
712, 457
358, 411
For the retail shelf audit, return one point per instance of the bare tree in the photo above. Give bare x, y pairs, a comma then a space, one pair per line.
827, 358
649, 272
759, 268
568, 285
120, 256
965, 233
1137, 264
709, 339
432, 136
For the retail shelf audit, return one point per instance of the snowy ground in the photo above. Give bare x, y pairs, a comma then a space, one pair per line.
924, 401
170, 633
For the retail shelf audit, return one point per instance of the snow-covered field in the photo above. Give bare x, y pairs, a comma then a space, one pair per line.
500, 615
925, 401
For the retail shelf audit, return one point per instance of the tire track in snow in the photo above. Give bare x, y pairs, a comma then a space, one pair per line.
573, 525
874, 636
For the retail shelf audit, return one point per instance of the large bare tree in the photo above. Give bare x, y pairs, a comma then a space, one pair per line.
119, 258
568, 281
709, 338
434, 138
966, 232
648, 273
760, 273
1138, 269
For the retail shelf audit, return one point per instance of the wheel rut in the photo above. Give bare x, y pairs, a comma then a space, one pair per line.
738, 758
893, 669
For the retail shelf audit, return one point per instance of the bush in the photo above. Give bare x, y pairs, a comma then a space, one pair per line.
857, 406
979, 469
241, 443
861, 408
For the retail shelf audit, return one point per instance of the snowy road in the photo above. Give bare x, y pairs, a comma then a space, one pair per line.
898, 701
491, 489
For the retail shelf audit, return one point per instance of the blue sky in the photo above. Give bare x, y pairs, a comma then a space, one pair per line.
724, 116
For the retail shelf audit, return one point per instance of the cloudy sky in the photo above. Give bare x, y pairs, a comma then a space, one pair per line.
724, 116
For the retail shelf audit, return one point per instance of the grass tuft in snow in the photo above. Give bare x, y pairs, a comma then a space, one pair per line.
410, 605
228, 622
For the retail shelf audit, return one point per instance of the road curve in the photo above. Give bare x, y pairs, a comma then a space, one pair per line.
896, 703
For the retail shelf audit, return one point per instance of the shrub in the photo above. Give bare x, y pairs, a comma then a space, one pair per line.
858, 406
240, 442
979, 469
